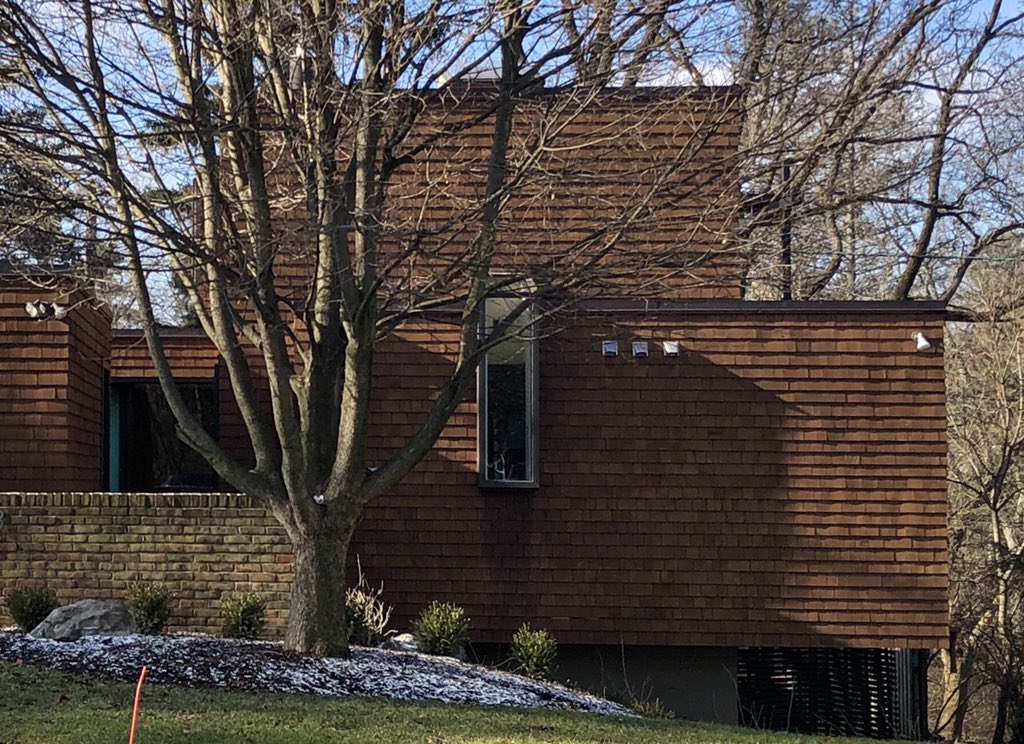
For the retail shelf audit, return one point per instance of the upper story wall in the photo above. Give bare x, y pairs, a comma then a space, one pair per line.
647, 179
51, 389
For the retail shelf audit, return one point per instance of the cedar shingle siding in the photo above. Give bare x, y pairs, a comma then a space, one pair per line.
782, 482
51, 391
673, 152
779, 483
190, 353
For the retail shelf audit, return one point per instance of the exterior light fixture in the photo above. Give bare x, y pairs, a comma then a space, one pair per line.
923, 344
640, 349
40, 310
670, 348
610, 348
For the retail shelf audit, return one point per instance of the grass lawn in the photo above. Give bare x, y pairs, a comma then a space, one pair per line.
44, 707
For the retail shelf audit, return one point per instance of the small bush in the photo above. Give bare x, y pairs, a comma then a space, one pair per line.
366, 615
244, 615
533, 653
442, 629
30, 605
652, 708
150, 604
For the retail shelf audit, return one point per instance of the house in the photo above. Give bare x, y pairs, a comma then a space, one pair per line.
737, 507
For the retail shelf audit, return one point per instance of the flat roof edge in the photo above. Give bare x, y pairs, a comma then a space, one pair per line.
753, 307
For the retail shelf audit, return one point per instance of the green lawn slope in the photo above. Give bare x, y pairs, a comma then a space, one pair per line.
44, 707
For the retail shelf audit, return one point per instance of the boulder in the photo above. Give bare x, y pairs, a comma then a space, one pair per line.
401, 642
86, 618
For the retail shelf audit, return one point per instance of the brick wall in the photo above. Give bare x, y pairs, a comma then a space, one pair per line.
93, 545
51, 390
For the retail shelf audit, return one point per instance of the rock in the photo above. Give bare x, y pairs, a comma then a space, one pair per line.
86, 618
401, 642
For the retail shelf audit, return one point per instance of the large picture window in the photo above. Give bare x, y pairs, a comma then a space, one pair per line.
145, 454
507, 421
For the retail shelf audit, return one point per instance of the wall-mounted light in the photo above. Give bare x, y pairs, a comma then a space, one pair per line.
40, 310
640, 349
923, 344
610, 348
670, 348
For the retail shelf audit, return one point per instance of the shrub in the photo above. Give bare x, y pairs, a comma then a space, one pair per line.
150, 604
30, 605
244, 615
533, 653
366, 614
652, 708
442, 629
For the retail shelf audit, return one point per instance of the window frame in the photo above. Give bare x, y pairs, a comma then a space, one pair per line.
532, 413
117, 391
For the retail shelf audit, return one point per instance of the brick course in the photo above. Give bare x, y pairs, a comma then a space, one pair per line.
95, 544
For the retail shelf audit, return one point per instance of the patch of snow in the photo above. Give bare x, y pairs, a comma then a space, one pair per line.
207, 661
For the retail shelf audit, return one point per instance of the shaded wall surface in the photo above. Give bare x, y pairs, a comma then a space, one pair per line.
51, 390
693, 683
780, 483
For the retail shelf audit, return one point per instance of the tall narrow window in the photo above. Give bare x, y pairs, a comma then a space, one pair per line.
507, 421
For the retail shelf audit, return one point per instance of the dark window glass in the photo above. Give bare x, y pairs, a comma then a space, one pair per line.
150, 456
508, 401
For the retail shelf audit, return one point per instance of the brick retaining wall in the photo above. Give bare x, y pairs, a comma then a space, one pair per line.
93, 545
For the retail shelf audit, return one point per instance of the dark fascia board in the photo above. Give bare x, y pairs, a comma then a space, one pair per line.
683, 307
738, 307
471, 88
766, 307
165, 332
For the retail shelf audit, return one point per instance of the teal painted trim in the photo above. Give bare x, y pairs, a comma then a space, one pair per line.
114, 443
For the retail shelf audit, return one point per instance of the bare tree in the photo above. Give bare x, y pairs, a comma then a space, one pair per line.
32, 202
315, 174
986, 427
882, 139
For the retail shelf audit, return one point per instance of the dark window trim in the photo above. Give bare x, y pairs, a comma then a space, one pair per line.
533, 393
106, 448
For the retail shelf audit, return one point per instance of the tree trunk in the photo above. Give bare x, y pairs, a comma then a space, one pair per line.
1015, 714
316, 619
956, 681
953, 698
999, 730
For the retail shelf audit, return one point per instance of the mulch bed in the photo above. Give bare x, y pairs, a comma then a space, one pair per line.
261, 666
